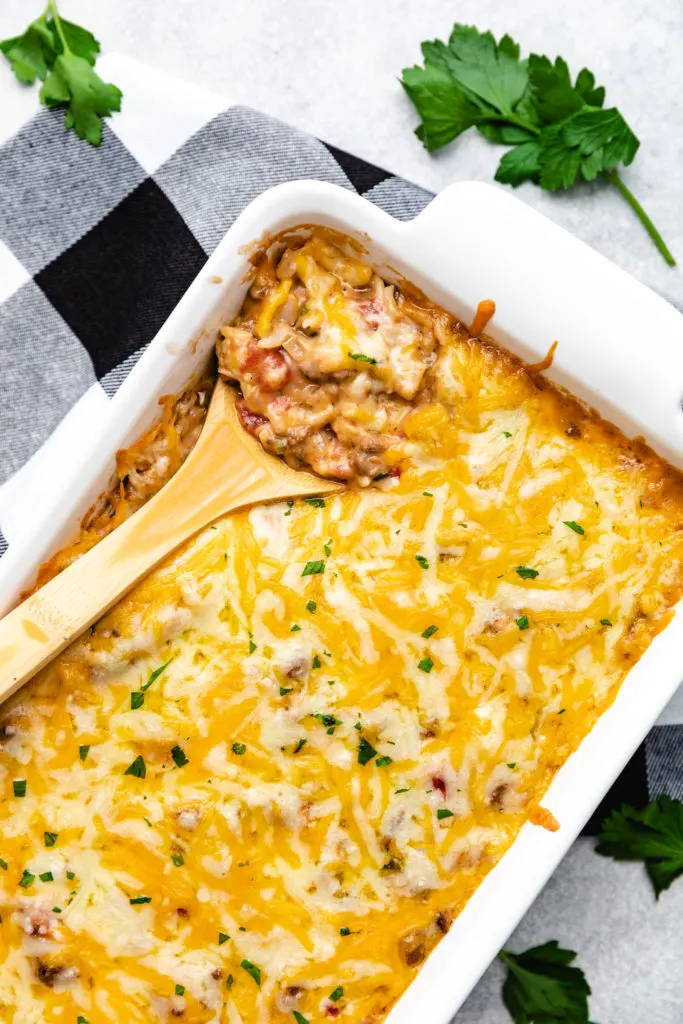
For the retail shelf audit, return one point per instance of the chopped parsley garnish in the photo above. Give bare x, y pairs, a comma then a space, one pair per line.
561, 711
295, 628
299, 1017
71, 875
526, 573
138, 768
605, 622
83, 751
317, 663
252, 645
366, 751
506, 433
315, 502
576, 527
46, 876
360, 357
19, 787
406, 790
222, 938
311, 606
523, 621
27, 879
3, 864
429, 631
82, 1020
327, 548
137, 699
314, 568
337, 994
253, 970
284, 690
382, 762
443, 812
50, 838
139, 899
426, 664
155, 675
179, 756
56, 910
427, 494
178, 859
512, 765
180, 990
542, 986
300, 746
421, 560
239, 749
344, 931
329, 721
229, 981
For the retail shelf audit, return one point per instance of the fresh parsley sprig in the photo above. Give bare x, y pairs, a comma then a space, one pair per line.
62, 55
653, 835
559, 131
542, 988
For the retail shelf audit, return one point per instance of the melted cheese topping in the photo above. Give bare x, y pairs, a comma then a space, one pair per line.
268, 780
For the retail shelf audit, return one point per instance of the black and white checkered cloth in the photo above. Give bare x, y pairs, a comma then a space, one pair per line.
98, 246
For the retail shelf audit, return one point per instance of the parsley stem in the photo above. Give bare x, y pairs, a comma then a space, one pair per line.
614, 179
52, 7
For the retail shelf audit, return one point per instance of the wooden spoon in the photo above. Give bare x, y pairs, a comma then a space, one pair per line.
226, 470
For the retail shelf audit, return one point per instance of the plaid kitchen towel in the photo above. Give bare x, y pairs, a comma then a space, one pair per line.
98, 245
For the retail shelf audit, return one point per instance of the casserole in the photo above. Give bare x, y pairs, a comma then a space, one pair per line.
389, 243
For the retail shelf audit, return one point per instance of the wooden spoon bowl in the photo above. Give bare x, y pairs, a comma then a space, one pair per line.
226, 470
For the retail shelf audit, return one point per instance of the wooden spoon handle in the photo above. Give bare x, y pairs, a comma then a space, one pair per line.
47, 621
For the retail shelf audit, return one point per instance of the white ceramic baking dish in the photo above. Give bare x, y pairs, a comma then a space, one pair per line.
621, 350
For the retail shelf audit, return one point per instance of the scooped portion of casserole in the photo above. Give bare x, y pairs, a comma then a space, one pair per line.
262, 788
330, 358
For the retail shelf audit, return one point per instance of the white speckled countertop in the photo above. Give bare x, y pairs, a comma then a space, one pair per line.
331, 69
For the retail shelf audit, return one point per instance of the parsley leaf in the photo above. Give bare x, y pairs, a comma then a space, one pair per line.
542, 987
62, 55
429, 631
526, 573
653, 835
576, 527
426, 664
153, 676
360, 357
558, 129
83, 751
366, 751
523, 622
179, 756
315, 502
137, 768
421, 560
253, 970
50, 838
314, 568
239, 749
299, 1017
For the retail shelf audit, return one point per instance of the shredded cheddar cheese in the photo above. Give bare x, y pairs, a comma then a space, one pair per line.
263, 786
